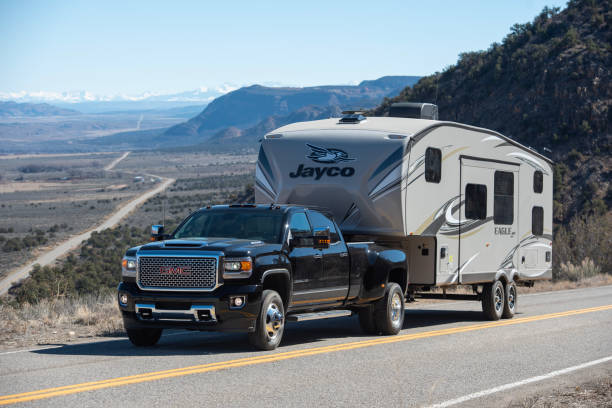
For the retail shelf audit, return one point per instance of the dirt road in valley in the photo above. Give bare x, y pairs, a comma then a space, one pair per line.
50, 256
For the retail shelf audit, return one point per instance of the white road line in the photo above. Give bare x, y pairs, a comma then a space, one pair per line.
27, 350
519, 383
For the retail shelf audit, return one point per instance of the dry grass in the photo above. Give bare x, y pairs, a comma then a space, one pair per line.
59, 320
592, 394
547, 286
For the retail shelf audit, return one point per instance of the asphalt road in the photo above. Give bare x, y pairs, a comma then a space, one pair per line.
445, 352
50, 256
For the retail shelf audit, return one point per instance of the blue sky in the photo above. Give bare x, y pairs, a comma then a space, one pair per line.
134, 46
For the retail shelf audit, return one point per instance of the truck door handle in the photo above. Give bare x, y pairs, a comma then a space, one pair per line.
343, 254
318, 256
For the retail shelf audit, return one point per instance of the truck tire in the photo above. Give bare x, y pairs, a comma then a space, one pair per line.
389, 314
510, 301
144, 337
493, 300
270, 322
367, 320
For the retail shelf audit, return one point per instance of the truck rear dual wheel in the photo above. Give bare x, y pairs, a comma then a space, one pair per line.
386, 316
144, 337
270, 323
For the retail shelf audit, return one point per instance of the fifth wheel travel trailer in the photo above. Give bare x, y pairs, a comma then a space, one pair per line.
467, 205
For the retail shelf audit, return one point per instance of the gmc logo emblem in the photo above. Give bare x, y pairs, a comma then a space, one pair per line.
175, 270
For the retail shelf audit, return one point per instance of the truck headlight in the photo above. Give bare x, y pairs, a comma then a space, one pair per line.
237, 268
128, 267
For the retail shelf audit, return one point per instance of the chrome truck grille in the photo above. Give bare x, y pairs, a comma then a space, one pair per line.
177, 273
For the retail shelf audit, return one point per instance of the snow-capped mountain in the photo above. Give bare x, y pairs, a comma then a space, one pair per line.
86, 101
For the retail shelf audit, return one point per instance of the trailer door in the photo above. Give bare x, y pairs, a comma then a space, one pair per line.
488, 224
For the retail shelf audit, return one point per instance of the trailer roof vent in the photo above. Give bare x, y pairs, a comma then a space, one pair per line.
414, 110
352, 116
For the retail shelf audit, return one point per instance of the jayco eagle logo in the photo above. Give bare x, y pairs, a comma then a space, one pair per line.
325, 156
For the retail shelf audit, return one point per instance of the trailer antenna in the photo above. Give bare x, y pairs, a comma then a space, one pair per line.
437, 82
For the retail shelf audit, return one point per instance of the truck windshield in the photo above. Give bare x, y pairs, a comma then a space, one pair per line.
263, 226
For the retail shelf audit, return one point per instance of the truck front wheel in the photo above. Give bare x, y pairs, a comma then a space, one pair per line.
270, 322
144, 337
389, 313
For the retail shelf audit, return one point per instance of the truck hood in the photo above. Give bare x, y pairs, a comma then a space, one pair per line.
229, 246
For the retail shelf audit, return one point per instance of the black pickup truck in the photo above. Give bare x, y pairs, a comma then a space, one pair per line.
250, 268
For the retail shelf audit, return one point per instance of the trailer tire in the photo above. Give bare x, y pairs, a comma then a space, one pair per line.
367, 320
270, 323
389, 311
144, 337
493, 300
510, 297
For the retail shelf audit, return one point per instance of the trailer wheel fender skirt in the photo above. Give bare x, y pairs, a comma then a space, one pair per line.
503, 276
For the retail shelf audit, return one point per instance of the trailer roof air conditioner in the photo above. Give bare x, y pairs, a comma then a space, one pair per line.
414, 110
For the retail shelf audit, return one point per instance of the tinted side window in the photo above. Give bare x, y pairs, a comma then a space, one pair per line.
433, 165
503, 204
299, 225
321, 221
476, 201
537, 221
538, 182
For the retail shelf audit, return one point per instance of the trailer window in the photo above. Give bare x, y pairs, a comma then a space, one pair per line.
433, 165
537, 221
320, 220
538, 182
476, 201
503, 201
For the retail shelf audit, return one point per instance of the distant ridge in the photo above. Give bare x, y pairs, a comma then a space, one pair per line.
14, 109
247, 106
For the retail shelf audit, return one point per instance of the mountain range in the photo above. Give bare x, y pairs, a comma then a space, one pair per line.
248, 106
88, 102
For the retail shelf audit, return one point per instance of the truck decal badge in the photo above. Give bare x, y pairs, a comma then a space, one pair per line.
175, 270
328, 156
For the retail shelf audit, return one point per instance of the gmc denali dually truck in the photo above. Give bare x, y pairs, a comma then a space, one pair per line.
249, 268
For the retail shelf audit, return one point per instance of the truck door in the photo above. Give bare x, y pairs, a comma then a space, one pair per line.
305, 260
488, 219
331, 283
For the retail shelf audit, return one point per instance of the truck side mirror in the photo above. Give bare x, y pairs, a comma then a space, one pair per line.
157, 233
321, 238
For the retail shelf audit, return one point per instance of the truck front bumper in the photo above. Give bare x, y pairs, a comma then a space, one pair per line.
190, 310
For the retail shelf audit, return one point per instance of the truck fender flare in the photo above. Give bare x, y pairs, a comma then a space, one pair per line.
280, 271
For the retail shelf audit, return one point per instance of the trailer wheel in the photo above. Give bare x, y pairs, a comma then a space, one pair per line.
367, 320
510, 301
270, 323
493, 300
144, 337
389, 313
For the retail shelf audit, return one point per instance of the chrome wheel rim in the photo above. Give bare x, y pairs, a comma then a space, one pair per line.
274, 321
499, 298
396, 308
512, 297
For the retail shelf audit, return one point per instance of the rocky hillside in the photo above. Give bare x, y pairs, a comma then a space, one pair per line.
547, 85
